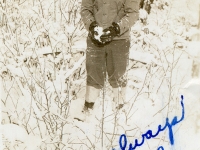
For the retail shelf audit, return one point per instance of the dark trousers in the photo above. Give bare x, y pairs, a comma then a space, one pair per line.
111, 59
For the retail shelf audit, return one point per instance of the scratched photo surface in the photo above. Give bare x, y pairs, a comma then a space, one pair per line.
43, 79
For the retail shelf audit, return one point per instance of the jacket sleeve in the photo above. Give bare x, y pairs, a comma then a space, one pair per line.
131, 15
87, 14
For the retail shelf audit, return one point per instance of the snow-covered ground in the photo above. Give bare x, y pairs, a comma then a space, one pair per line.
38, 105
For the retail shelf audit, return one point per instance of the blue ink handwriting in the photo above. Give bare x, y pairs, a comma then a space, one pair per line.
149, 134
160, 148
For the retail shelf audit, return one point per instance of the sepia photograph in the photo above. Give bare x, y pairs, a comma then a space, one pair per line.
100, 74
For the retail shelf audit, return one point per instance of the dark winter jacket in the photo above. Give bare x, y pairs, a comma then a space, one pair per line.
104, 12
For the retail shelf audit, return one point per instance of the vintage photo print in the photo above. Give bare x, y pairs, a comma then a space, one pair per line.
100, 74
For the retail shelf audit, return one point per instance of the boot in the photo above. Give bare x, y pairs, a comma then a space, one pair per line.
92, 94
119, 98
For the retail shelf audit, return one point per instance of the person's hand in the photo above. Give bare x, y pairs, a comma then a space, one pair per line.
110, 33
92, 31
93, 34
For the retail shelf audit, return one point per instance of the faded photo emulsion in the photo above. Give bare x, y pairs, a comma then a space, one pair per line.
100, 74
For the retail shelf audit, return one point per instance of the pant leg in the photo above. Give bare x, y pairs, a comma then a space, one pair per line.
116, 62
95, 65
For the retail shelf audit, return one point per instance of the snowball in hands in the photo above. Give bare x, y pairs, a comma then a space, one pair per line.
99, 31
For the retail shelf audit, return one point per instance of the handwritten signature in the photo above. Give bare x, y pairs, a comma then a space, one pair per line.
149, 134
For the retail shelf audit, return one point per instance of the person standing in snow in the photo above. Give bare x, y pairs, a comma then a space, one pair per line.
109, 53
